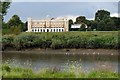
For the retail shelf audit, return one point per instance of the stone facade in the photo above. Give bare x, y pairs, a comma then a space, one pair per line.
48, 25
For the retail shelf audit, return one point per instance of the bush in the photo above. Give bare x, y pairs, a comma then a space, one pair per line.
7, 41
65, 40
15, 72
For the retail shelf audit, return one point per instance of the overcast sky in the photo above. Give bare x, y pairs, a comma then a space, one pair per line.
39, 10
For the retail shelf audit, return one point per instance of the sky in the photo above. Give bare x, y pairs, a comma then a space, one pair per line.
70, 10
65, 0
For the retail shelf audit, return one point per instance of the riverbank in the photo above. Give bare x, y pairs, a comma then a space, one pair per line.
72, 72
63, 40
65, 51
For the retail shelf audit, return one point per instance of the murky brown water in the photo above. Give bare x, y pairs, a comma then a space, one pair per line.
86, 59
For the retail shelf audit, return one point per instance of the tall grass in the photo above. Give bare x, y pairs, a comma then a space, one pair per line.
101, 39
18, 72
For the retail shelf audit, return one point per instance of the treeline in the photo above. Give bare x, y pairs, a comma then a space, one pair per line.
14, 26
62, 40
102, 22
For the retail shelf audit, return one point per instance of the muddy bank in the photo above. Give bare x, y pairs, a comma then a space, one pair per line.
64, 51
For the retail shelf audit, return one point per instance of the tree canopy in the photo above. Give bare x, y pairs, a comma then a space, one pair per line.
102, 14
14, 21
4, 6
102, 22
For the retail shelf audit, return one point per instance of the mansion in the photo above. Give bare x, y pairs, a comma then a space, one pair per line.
53, 25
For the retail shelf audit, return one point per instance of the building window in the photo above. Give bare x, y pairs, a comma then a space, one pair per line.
43, 30
47, 30
62, 30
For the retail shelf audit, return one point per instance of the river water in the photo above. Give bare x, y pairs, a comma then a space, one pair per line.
85, 59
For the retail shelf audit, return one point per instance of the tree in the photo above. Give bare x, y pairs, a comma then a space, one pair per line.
14, 25
14, 21
70, 23
4, 6
80, 19
116, 22
101, 26
101, 14
110, 25
25, 26
82, 27
94, 24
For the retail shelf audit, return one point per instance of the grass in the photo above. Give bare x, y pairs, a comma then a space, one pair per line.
18, 72
57, 40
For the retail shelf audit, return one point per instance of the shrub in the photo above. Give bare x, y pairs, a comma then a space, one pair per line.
65, 40
7, 41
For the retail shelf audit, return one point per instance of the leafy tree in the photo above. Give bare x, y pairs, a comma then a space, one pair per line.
110, 26
4, 6
93, 24
13, 26
80, 19
88, 23
25, 26
82, 27
70, 23
101, 26
116, 22
105, 22
14, 21
101, 14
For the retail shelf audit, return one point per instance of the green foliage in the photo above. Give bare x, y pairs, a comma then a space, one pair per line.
101, 14
82, 28
80, 19
16, 72
102, 74
4, 6
102, 22
101, 26
32, 40
7, 41
14, 21
13, 26
67, 40
73, 72
6, 68
70, 23
12, 30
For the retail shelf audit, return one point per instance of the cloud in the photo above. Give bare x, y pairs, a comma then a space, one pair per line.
68, 17
90, 18
115, 15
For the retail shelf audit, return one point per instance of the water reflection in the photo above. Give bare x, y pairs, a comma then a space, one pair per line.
85, 60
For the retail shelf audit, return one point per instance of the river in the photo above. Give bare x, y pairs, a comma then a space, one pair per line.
85, 59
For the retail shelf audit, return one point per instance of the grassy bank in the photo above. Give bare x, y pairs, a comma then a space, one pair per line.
72, 72
96, 39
